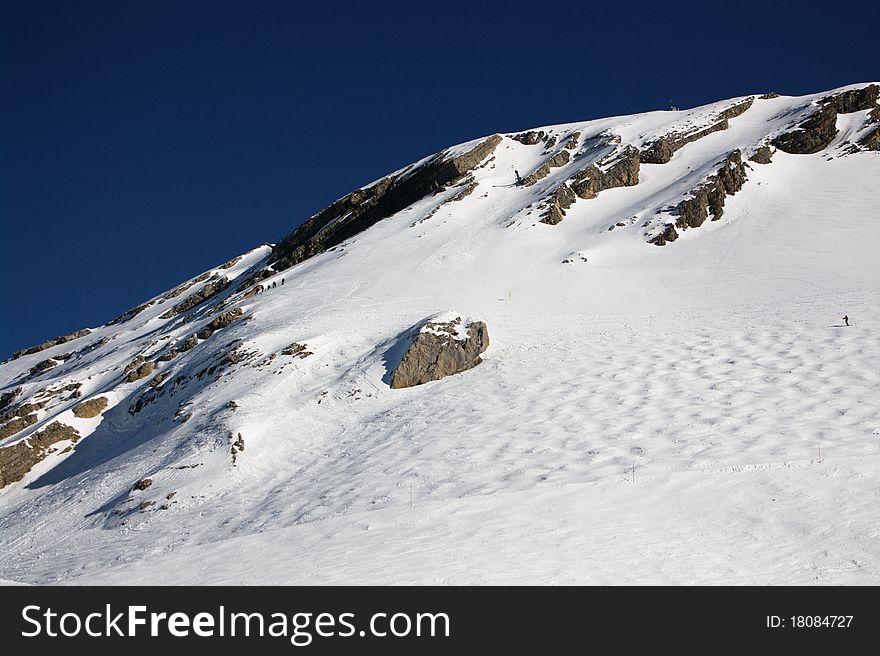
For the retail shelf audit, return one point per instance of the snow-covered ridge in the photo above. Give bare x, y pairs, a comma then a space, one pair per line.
255, 396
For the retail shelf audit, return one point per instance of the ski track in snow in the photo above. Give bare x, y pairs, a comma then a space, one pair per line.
695, 413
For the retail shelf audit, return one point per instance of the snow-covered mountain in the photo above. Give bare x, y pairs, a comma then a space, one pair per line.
670, 393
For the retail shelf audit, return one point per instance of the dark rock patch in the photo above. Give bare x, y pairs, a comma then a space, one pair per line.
436, 352
217, 323
708, 198
177, 291
364, 208
141, 372
16, 424
41, 367
197, 298
560, 200
18, 459
231, 263
142, 484
854, 100
662, 150
871, 140
129, 314
769, 95
813, 135
531, 138
762, 155
296, 350
91, 408
52, 342
667, 235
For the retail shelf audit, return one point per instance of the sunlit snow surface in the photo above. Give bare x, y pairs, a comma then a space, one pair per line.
695, 413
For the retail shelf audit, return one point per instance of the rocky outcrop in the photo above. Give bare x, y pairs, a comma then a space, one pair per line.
231, 263
177, 291
219, 322
197, 298
661, 150
531, 138
142, 371
762, 155
871, 140
559, 201
365, 207
441, 349
129, 314
41, 367
708, 198
667, 235
296, 350
91, 408
737, 108
854, 100
142, 485
559, 159
769, 95
16, 424
572, 142
52, 342
813, 135
7, 398
18, 459
618, 170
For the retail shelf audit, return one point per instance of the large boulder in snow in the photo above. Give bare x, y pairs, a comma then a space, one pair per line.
441, 348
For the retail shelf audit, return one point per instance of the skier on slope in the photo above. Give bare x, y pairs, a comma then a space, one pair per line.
518, 179
846, 319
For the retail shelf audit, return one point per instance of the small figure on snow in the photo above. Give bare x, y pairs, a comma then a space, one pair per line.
846, 319
273, 285
282, 281
518, 179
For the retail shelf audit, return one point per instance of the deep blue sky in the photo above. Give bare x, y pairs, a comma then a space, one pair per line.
144, 142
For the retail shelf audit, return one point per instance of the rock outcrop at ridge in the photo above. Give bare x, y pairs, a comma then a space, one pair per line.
365, 207
211, 289
708, 198
813, 135
854, 100
63, 339
440, 349
662, 150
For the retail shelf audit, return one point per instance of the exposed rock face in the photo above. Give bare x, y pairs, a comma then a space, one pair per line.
762, 155
531, 138
177, 291
662, 150
7, 398
854, 100
814, 134
669, 234
16, 424
134, 364
561, 200
572, 142
91, 408
708, 198
737, 108
364, 208
219, 322
439, 350
52, 342
296, 350
231, 263
622, 170
129, 314
18, 459
871, 141
769, 95
559, 159
142, 484
211, 289
141, 372
41, 367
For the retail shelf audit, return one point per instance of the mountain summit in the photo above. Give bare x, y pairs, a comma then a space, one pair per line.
605, 351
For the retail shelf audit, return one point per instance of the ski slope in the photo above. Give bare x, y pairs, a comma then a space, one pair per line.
695, 413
